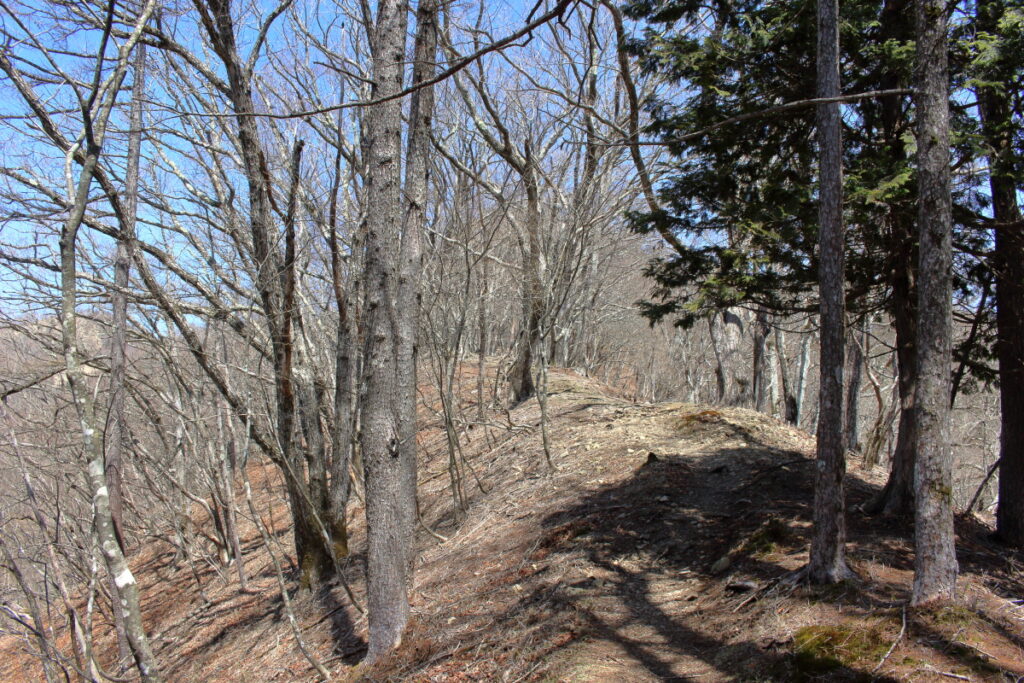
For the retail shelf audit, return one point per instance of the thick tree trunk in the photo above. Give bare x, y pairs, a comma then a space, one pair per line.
828, 542
275, 281
1008, 264
521, 375
726, 336
935, 566
387, 488
311, 507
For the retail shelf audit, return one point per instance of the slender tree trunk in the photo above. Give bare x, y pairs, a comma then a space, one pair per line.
761, 374
228, 463
345, 394
421, 112
95, 113
935, 566
387, 488
1008, 264
790, 407
856, 347
828, 542
482, 349
117, 427
802, 374
48, 653
897, 498
127, 589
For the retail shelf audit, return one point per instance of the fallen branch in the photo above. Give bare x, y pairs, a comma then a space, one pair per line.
947, 674
892, 648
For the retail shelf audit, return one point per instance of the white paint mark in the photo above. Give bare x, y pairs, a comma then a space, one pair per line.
124, 578
102, 491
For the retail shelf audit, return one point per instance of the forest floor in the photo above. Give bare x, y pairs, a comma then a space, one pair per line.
659, 548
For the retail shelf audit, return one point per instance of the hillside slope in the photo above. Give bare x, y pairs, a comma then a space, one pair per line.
659, 548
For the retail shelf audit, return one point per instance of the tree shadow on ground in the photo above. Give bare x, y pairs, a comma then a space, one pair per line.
335, 605
706, 517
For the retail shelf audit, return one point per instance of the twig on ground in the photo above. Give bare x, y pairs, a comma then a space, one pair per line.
947, 674
892, 648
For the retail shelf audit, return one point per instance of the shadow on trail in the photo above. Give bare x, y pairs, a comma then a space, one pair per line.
681, 516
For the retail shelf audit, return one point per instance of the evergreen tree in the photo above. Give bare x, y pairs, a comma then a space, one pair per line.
741, 199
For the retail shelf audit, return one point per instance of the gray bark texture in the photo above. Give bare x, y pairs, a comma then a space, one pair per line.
387, 484
117, 428
828, 554
421, 110
726, 337
521, 374
761, 373
853, 384
935, 566
96, 113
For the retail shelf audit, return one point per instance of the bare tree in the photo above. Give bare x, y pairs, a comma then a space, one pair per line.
96, 107
390, 481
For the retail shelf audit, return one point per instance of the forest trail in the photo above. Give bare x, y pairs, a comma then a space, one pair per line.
656, 550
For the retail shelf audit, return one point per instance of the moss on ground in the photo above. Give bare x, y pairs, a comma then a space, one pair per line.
824, 648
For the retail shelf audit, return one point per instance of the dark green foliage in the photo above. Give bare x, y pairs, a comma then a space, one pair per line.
742, 198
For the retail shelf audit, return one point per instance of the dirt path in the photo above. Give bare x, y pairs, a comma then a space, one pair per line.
654, 551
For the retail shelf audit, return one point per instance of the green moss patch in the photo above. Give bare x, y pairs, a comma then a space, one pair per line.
820, 649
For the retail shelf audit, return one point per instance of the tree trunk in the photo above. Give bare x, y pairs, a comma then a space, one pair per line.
828, 542
761, 375
790, 408
345, 394
421, 111
856, 347
484, 294
127, 590
387, 488
726, 335
521, 375
275, 282
1008, 264
116, 421
802, 375
935, 566
897, 498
